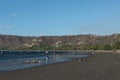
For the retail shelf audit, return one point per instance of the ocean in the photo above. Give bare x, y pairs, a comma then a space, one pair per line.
14, 60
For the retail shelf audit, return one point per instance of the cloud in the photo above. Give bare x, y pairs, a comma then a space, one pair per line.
7, 26
13, 15
42, 34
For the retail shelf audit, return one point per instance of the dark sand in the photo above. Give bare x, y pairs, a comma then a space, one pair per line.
97, 67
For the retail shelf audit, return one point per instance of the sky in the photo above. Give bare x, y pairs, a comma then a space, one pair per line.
59, 17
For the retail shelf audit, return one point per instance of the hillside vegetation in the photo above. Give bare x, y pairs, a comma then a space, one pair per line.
71, 42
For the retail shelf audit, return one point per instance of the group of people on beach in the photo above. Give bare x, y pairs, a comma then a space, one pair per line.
37, 61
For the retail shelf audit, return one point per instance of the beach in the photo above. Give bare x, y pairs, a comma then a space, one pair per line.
101, 66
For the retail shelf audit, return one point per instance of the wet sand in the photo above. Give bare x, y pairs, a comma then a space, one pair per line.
97, 67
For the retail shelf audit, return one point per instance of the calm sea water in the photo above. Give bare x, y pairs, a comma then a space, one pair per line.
13, 60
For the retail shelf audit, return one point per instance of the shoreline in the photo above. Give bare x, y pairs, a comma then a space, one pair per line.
39, 60
96, 67
82, 51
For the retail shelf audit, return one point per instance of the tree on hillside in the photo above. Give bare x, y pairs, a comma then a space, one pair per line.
107, 47
117, 45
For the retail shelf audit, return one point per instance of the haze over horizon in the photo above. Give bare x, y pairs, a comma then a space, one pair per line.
59, 17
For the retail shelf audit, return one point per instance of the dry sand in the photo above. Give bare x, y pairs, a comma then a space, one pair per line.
97, 67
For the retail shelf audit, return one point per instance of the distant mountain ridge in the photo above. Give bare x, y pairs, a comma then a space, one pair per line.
14, 42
